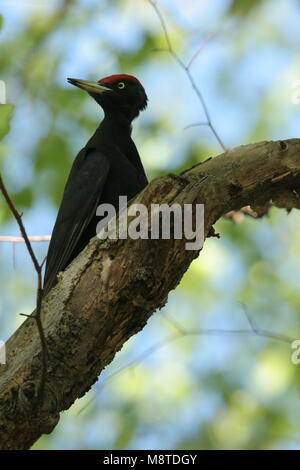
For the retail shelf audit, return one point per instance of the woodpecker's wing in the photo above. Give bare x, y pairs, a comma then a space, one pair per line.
80, 199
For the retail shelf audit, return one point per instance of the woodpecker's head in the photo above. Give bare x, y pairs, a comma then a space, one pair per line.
116, 93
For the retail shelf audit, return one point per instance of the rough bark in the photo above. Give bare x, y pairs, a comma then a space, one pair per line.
108, 293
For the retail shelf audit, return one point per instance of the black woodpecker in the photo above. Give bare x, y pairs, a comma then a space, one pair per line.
108, 166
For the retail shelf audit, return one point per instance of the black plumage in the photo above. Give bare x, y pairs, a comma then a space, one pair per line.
108, 166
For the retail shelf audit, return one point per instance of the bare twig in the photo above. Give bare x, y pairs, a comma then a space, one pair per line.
186, 68
182, 332
31, 238
196, 124
39, 296
200, 48
265, 333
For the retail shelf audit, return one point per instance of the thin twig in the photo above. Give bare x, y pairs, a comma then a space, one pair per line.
39, 296
195, 124
186, 68
31, 238
181, 332
202, 45
261, 332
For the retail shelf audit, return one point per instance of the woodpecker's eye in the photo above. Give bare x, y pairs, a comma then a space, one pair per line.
121, 85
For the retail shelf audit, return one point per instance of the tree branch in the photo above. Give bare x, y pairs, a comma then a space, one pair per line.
108, 293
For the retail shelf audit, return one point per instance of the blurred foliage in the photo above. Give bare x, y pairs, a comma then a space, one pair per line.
5, 115
243, 8
198, 390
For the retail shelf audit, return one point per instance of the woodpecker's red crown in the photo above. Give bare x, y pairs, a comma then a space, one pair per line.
120, 76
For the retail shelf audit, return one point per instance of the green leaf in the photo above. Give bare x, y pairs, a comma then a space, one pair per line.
5, 115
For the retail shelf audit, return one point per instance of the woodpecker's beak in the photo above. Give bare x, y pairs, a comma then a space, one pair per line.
90, 87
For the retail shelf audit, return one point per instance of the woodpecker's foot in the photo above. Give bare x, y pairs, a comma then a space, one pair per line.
178, 178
